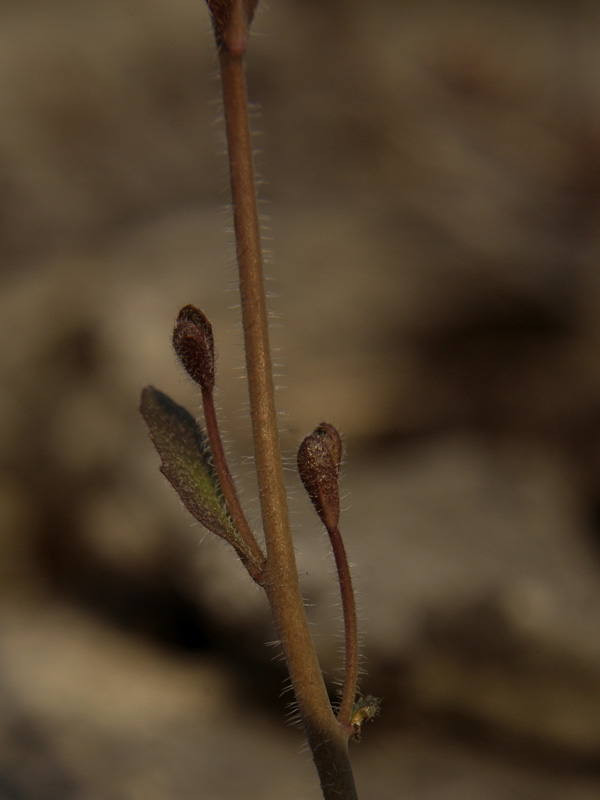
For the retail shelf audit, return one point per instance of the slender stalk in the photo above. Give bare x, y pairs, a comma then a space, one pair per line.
256, 562
327, 739
350, 627
318, 459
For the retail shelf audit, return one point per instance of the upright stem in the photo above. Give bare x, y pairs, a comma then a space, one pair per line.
327, 739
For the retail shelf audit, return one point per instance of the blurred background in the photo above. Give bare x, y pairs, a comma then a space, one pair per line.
432, 216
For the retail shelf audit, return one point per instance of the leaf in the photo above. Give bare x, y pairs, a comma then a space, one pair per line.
187, 463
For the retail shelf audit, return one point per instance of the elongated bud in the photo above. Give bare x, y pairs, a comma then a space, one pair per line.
319, 458
194, 344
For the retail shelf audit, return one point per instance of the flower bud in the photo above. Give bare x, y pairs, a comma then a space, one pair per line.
319, 458
194, 344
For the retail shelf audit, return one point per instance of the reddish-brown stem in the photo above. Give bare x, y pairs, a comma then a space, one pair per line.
350, 627
255, 562
327, 739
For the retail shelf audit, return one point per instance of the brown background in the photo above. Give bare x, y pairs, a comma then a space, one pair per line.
432, 188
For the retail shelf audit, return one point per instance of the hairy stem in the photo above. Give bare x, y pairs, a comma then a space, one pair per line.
327, 739
350, 627
255, 560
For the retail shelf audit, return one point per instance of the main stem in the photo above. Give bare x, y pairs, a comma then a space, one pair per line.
327, 739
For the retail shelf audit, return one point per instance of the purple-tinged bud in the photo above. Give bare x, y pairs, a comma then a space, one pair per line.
194, 344
331, 438
319, 458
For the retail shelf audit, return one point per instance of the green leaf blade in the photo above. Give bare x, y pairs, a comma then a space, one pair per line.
186, 462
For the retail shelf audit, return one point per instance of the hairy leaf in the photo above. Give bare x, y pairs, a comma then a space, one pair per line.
187, 464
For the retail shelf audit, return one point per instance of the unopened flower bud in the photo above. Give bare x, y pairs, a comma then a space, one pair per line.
194, 344
319, 458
